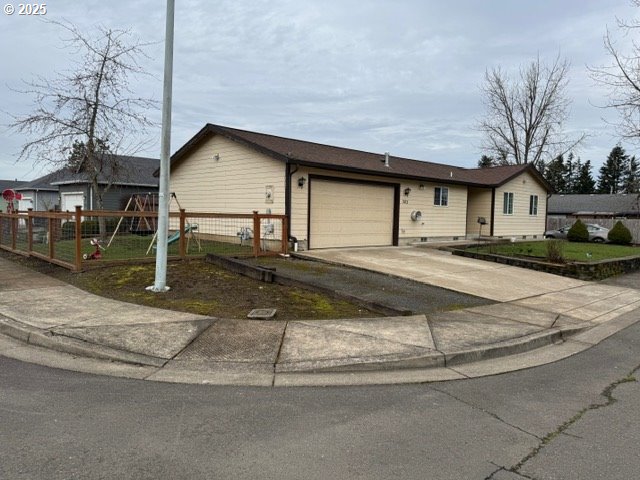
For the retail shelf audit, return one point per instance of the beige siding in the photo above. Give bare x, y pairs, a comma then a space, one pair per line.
236, 183
478, 205
437, 221
520, 223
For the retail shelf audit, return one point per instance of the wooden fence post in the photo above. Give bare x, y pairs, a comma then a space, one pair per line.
285, 239
52, 238
29, 230
14, 231
78, 259
256, 233
182, 238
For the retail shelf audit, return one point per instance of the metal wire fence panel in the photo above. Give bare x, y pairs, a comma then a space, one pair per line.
76, 240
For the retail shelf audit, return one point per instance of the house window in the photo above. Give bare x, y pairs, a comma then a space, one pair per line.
441, 196
533, 205
507, 204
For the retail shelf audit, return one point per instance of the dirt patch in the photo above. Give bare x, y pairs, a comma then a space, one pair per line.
202, 288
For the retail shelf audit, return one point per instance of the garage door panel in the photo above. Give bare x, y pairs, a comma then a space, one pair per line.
344, 214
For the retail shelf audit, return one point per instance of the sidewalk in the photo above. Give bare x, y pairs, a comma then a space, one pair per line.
47, 321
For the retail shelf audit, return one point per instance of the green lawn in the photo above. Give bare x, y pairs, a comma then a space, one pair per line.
572, 251
128, 246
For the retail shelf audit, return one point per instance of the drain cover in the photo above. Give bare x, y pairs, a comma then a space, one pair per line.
262, 313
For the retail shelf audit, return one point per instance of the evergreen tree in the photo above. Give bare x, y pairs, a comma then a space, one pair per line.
632, 177
584, 183
611, 179
555, 173
486, 161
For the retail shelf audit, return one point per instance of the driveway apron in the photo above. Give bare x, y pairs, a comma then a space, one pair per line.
501, 283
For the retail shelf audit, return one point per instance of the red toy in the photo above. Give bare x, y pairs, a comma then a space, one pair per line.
97, 254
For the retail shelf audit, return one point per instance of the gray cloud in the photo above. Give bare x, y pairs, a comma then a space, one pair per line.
401, 76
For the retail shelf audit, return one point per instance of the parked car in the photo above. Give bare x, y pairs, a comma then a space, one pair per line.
597, 233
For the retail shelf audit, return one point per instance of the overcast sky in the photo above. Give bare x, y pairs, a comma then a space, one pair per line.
397, 76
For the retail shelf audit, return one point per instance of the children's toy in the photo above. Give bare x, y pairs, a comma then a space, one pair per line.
97, 254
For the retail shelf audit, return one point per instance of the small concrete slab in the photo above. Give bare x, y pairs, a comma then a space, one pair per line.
162, 340
517, 313
237, 341
462, 330
409, 330
608, 305
574, 298
313, 343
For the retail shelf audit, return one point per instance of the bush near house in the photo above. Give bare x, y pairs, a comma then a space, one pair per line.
620, 234
578, 232
89, 228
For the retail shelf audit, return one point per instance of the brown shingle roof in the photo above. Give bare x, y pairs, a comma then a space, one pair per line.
345, 159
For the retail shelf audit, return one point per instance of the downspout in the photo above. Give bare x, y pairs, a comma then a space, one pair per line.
287, 197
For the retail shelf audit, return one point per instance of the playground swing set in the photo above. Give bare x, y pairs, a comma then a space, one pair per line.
144, 225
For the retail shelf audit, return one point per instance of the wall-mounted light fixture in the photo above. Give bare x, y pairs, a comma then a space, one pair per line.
216, 157
301, 182
421, 187
407, 191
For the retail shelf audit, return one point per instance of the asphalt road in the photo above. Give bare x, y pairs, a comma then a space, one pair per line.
575, 419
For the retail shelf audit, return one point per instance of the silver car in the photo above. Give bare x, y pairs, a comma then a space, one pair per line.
597, 233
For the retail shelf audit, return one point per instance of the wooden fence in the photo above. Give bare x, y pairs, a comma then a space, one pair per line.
75, 239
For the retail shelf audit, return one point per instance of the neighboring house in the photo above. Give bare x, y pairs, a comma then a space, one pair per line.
5, 185
594, 206
338, 197
39, 194
135, 175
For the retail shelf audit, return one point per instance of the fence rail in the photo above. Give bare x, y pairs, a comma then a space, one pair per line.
75, 239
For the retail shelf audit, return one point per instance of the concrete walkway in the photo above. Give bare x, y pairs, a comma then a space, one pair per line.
46, 321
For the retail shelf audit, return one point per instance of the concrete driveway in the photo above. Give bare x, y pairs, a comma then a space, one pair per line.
490, 280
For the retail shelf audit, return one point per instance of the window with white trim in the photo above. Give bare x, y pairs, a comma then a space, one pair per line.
533, 205
441, 196
507, 203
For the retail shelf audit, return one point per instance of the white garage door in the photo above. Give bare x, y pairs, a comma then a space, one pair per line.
68, 201
344, 214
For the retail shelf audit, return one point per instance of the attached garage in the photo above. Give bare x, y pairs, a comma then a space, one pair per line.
348, 213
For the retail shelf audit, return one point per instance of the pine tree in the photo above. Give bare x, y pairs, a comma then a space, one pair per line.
555, 173
486, 161
585, 184
632, 177
611, 179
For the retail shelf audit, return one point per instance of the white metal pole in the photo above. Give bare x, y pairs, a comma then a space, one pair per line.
160, 284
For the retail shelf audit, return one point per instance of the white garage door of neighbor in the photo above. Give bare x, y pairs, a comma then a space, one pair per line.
70, 200
344, 214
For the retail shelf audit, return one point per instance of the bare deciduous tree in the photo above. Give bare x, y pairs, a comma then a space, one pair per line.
525, 116
85, 118
622, 77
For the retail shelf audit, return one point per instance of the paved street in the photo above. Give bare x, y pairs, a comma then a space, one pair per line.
549, 422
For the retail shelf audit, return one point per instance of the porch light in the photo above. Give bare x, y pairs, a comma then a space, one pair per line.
407, 191
301, 182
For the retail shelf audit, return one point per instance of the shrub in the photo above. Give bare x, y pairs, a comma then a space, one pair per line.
620, 234
578, 232
555, 251
89, 228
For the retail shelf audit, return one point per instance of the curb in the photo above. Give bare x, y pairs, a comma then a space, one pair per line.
61, 343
